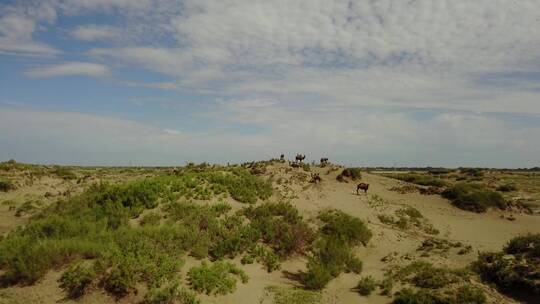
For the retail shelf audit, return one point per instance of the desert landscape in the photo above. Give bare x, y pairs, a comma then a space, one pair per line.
269, 151
268, 232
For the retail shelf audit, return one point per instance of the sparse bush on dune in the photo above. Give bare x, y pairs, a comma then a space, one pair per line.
170, 293
281, 226
474, 197
332, 253
217, 278
473, 172
6, 185
151, 218
507, 188
63, 173
516, 268
366, 285
419, 179
347, 228
282, 295
465, 294
349, 173
77, 278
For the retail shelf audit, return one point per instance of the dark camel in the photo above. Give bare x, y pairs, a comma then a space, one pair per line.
362, 186
300, 157
315, 178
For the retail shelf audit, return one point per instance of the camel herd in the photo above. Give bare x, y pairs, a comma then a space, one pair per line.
316, 178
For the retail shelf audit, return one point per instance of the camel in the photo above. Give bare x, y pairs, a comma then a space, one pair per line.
362, 186
315, 178
282, 158
324, 162
300, 157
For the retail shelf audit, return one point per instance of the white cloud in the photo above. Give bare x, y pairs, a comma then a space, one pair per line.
16, 37
69, 69
96, 33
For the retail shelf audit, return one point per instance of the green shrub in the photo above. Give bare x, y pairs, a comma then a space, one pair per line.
6, 185
386, 286
468, 294
317, 276
170, 293
366, 285
349, 173
77, 278
507, 188
63, 173
386, 219
217, 278
474, 197
474, 172
266, 257
151, 218
330, 257
28, 207
346, 228
515, 268
419, 179
282, 295
281, 227
465, 294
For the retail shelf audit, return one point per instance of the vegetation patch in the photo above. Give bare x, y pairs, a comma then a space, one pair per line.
77, 279
216, 278
424, 276
464, 294
170, 293
366, 285
507, 188
516, 268
419, 179
6, 185
332, 253
282, 295
349, 174
474, 197
408, 218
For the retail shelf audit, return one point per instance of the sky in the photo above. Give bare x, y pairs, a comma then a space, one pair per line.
365, 82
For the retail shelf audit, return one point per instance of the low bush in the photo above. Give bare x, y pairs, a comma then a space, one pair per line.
217, 278
349, 229
170, 293
465, 294
281, 295
151, 218
507, 188
6, 185
516, 268
425, 275
77, 278
473, 172
474, 197
281, 227
264, 256
332, 253
349, 173
63, 173
366, 285
419, 179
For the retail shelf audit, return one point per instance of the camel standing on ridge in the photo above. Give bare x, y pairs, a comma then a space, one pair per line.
362, 186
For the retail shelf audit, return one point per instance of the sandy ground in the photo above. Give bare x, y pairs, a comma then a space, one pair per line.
482, 231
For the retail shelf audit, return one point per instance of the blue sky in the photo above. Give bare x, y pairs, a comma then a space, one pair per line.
412, 83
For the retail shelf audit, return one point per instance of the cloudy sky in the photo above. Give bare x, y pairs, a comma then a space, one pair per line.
363, 82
